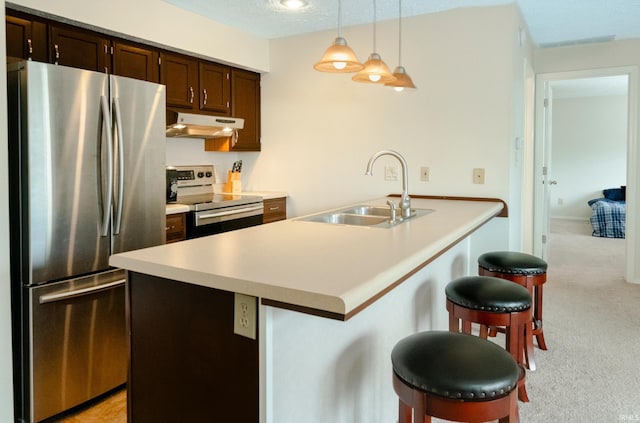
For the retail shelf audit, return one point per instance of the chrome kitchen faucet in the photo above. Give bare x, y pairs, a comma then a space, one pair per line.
405, 201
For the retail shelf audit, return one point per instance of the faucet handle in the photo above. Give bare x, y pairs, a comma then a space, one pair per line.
392, 211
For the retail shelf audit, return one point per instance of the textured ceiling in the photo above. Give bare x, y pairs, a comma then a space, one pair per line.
551, 22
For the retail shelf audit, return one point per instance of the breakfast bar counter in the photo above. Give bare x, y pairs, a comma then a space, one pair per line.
328, 269
331, 301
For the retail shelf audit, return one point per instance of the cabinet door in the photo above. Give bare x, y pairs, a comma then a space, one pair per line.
274, 209
26, 39
245, 103
214, 88
176, 227
80, 49
136, 62
180, 75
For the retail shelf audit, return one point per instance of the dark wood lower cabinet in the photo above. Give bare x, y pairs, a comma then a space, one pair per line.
186, 364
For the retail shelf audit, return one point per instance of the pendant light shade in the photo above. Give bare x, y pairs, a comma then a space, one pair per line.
339, 57
375, 70
403, 80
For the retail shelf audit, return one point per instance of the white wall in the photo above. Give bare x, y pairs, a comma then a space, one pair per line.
589, 151
320, 129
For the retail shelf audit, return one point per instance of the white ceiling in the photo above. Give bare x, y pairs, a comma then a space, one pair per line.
551, 22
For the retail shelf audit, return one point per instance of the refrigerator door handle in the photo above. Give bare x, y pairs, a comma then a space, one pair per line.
119, 144
50, 298
106, 210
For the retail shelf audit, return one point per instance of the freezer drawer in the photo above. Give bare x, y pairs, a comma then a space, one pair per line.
79, 345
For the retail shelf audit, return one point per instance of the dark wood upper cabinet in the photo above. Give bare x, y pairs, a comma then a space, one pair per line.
135, 62
180, 75
192, 85
245, 103
80, 49
214, 82
26, 39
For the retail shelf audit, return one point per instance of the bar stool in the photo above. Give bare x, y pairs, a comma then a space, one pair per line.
492, 302
528, 271
455, 377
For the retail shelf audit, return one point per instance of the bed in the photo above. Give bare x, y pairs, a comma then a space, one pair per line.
608, 216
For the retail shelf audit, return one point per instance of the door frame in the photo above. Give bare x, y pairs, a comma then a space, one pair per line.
542, 144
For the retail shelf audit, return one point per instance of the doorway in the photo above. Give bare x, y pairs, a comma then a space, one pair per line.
546, 84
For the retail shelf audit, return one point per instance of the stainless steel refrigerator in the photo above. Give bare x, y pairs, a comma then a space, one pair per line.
87, 179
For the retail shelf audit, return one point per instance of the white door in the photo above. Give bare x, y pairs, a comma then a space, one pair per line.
542, 170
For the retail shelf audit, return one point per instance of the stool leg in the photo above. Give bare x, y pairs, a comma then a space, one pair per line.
420, 408
404, 412
514, 416
522, 389
537, 317
484, 331
454, 323
528, 346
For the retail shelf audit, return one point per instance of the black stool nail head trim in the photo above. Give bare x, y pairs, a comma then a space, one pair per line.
488, 293
511, 262
455, 366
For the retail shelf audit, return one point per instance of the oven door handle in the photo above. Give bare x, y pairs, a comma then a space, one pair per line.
230, 212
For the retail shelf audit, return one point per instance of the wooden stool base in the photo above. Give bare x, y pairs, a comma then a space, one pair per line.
418, 407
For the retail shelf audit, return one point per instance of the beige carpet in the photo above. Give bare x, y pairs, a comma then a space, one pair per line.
591, 372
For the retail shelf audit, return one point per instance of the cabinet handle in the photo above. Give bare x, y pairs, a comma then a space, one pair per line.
205, 96
191, 95
57, 53
169, 227
274, 208
30, 47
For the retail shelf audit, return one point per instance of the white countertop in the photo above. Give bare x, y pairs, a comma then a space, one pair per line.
176, 208
332, 268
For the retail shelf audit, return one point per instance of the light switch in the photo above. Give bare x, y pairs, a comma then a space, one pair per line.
478, 175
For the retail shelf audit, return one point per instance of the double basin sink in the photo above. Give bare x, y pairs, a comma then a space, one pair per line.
364, 215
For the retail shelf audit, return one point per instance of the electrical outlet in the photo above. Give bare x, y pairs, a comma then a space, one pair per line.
424, 174
391, 173
245, 315
478, 175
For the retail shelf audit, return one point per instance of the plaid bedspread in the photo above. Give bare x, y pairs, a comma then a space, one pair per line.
608, 218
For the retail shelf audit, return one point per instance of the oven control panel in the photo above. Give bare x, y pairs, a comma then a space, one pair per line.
195, 175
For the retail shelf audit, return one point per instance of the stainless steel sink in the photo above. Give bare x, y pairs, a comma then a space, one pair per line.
348, 219
363, 215
369, 211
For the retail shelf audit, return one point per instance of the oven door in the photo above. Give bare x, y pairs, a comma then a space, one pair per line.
211, 222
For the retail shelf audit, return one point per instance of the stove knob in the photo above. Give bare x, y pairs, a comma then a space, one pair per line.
200, 174
209, 174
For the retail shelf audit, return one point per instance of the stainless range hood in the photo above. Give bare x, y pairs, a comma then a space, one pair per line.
189, 125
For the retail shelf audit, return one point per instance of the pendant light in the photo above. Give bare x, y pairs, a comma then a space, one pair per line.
375, 70
339, 57
403, 80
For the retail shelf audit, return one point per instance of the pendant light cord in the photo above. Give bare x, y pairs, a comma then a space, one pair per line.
374, 26
399, 32
339, 18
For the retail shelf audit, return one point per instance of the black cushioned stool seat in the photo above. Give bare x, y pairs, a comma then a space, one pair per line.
455, 377
526, 270
491, 302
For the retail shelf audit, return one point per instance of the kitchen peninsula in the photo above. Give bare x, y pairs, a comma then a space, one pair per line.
332, 300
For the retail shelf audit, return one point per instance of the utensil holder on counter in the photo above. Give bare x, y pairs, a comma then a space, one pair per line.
234, 182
